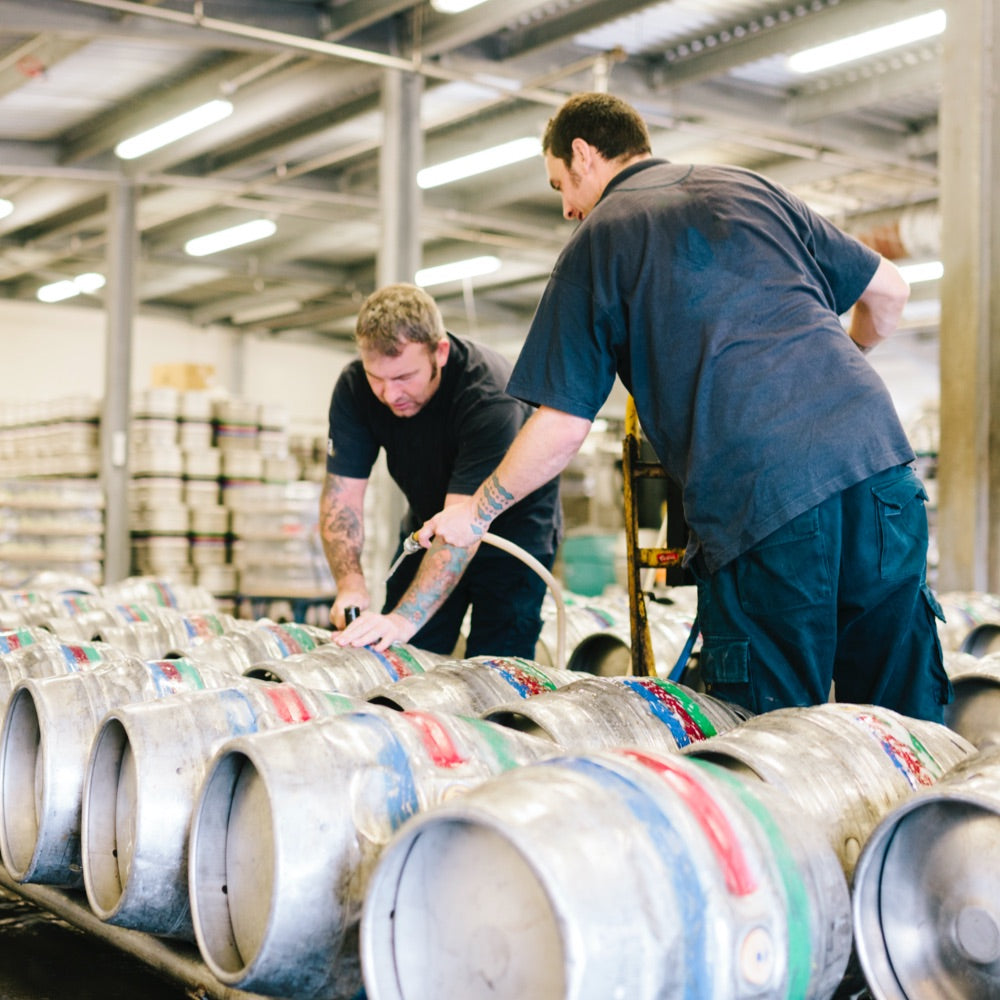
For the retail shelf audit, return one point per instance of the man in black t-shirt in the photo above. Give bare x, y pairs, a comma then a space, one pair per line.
438, 407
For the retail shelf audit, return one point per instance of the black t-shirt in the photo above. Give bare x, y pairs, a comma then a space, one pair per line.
450, 446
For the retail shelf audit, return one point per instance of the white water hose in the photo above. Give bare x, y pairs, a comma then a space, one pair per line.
411, 545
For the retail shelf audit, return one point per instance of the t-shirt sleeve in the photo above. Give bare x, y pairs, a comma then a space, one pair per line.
847, 264
568, 361
351, 448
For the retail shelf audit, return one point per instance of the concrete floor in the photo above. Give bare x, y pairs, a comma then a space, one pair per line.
44, 958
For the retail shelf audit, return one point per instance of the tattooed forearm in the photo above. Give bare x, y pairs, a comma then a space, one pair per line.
495, 500
341, 527
440, 569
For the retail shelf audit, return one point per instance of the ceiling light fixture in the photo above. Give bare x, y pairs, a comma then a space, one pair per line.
477, 163
474, 267
59, 291
929, 270
234, 236
454, 6
869, 43
6, 207
174, 129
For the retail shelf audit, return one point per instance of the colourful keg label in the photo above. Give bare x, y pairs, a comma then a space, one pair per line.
798, 917
203, 626
672, 706
163, 594
287, 645
497, 739
913, 761
436, 739
400, 787
405, 662
689, 890
78, 656
132, 612
288, 704
241, 714
173, 676
719, 833
15, 639
603, 618
396, 666
522, 675
301, 636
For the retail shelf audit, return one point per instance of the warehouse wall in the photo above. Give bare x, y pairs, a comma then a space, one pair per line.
58, 350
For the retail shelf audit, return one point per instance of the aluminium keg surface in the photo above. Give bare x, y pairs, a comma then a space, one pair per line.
487, 944
939, 905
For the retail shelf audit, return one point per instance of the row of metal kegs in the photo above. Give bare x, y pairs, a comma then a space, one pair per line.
259, 812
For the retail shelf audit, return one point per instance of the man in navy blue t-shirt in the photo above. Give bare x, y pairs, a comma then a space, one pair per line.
438, 407
715, 296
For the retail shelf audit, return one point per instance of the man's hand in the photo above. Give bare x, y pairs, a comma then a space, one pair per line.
377, 631
353, 597
456, 525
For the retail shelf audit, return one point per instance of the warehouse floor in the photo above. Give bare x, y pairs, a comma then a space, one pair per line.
43, 958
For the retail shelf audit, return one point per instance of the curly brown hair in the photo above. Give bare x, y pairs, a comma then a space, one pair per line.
396, 315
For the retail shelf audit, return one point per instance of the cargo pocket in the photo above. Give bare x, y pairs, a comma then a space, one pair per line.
901, 521
725, 661
787, 571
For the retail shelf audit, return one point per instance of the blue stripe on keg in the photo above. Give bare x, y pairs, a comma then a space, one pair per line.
677, 862
390, 667
400, 786
662, 711
241, 715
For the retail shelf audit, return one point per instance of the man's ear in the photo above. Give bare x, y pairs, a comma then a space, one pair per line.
583, 154
441, 351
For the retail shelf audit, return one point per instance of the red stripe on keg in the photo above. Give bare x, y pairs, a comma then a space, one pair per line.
437, 742
718, 830
288, 704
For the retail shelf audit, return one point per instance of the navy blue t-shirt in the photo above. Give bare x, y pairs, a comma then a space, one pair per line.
715, 296
450, 446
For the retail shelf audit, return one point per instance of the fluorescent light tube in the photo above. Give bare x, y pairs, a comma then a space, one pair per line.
929, 270
457, 270
477, 163
59, 291
869, 43
89, 282
454, 6
226, 239
174, 129
6, 207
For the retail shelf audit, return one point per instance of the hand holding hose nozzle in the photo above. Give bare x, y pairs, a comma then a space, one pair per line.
410, 545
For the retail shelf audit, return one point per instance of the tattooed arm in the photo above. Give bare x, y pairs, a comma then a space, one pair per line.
342, 531
541, 450
440, 569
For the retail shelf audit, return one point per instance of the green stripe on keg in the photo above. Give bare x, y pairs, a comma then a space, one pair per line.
689, 704
399, 650
301, 635
496, 740
798, 922
339, 701
531, 668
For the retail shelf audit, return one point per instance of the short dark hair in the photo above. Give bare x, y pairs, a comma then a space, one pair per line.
609, 124
396, 315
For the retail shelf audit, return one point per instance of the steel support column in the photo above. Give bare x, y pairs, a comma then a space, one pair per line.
120, 312
968, 522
